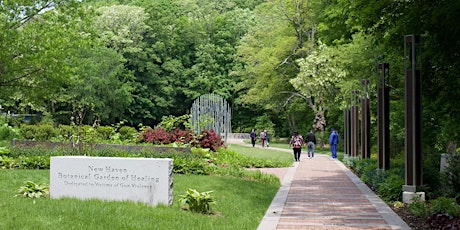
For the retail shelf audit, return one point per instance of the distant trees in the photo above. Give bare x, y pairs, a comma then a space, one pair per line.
289, 63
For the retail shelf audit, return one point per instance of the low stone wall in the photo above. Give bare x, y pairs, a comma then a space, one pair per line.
129, 148
238, 136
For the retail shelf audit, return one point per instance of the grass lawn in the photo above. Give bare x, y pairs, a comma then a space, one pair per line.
270, 153
265, 153
240, 205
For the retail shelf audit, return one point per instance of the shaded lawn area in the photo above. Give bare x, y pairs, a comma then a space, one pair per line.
241, 204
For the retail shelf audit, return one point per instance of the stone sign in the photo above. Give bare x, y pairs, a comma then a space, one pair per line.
145, 180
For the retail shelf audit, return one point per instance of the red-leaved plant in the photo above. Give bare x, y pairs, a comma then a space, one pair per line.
208, 139
157, 136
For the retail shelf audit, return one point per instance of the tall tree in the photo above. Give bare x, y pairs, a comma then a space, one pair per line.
36, 40
318, 82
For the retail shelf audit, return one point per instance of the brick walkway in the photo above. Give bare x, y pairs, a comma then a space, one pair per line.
321, 193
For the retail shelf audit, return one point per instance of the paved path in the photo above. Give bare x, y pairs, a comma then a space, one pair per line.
321, 193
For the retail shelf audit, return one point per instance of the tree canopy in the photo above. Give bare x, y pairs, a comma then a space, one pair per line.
286, 64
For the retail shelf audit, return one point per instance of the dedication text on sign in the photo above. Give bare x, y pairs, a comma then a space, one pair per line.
146, 180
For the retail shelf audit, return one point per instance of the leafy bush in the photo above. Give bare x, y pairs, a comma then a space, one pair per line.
182, 136
445, 205
199, 202
419, 208
391, 188
170, 123
65, 131
7, 132
156, 136
33, 162
105, 132
208, 139
32, 190
127, 133
37, 132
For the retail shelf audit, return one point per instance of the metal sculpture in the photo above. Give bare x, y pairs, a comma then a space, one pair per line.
211, 112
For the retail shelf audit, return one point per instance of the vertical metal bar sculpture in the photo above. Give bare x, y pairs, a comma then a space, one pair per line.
383, 113
346, 132
354, 126
365, 123
211, 112
413, 111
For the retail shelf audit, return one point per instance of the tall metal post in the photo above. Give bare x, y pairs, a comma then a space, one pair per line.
365, 122
383, 113
354, 126
413, 113
346, 125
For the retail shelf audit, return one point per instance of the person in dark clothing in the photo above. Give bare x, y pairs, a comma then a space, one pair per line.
253, 137
310, 139
296, 143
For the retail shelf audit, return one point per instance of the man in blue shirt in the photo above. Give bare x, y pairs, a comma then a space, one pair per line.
333, 140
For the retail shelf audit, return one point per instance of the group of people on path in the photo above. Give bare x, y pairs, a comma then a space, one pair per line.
264, 138
297, 142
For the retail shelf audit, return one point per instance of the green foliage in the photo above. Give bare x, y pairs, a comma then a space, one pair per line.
170, 123
439, 205
105, 132
4, 151
37, 132
199, 202
445, 205
387, 184
7, 132
265, 123
419, 208
128, 133
391, 188
33, 190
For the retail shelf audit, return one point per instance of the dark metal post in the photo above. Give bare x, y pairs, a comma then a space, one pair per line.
345, 131
413, 111
354, 126
365, 123
383, 113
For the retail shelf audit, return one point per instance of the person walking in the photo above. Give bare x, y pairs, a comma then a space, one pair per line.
311, 142
333, 141
267, 139
262, 138
296, 143
253, 136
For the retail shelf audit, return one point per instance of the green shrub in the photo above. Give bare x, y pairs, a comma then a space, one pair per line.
105, 132
391, 188
127, 133
199, 202
27, 132
445, 205
7, 132
66, 131
419, 208
37, 132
